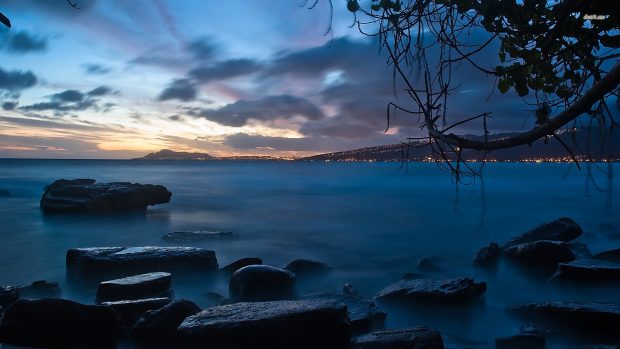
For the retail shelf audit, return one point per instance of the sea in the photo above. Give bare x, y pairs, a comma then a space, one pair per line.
372, 222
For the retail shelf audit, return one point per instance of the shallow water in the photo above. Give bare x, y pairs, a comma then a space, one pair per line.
371, 221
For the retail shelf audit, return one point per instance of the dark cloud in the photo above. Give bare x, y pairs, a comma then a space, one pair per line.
180, 89
9, 105
23, 42
73, 100
68, 96
100, 91
96, 69
16, 80
225, 70
268, 108
175, 117
204, 49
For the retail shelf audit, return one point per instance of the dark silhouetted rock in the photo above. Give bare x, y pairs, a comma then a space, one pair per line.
305, 266
596, 346
200, 235
534, 329
431, 264
542, 253
145, 259
587, 270
84, 195
5, 193
562, 229
157, 326
59, 323
261, 283
460, 290
487, 256
243, 262
406, 338
596, 318
151, 285
349, 290
610, 256
275, 325
40, 289
521, 341
132, 310
364, 316
8, 295
581, 250
412, 276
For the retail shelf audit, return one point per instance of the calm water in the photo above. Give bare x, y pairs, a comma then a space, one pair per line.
372, 222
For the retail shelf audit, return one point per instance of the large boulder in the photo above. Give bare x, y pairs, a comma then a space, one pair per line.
562, 229
84, 195
8, 295
303, 267
459, 290
40, 289
587, 269
611, 255
364, 316
543, 253
276, 325
151, 285
405, 338
199, 235
240, 263
521, 341
487, 256
261, 283
159, 326
131, 310
59, 323
145, 259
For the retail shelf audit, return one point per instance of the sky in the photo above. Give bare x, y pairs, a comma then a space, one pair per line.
119, 79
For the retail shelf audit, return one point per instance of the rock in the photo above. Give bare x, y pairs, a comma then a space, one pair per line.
303, 267
83, 195
542, 253
151, 285
216, 299
5, 193
40, 289
412, 276
261, 283
59, 323
349, 290
460, 290
431, 264
364, 316
200, 235
406, 338
132, 310
598, 318
520, 341
562, 229
596, 346
534, 329
243, 262
487, 256
157, 326
144, 259
611, 255
587, 270
581, 250
8, 295
275, 325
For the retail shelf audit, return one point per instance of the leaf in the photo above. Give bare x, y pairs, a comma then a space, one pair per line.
5, 20
503, 85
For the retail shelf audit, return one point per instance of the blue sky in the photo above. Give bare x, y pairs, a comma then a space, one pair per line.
118, 79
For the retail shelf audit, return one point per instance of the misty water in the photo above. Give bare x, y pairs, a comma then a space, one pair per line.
371, 221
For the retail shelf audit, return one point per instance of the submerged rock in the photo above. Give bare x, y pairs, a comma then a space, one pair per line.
406, 338
349, 290
431, 264
84, 195
261, 283
460, 290
5, 193
588, 270
276, 325
364, 316
40, 289
151, 285
59, 323
132, 310
543, 253
487, 256
200, 235
147, 259
610, 256
303, 267
562, 229
161, 324
8, 295
243, 262
521, 341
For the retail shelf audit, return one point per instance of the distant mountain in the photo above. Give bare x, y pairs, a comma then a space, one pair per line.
181, 155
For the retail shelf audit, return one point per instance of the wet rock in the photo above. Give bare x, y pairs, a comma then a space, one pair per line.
562, 229
132, 310
487, 256
243, 262
534, 329
611, 255
261, 283
40, 289
542, 253
431, 264
406, 338
598, 318
59, 323
200, 235
349, 290
145, 259
305, 267
8, 295
460, 290
276, 325
581, 250
587, 270
520, 341
84, 195
157, 326
151, 285
364, 316
5, 193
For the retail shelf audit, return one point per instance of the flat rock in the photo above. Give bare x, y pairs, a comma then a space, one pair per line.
243, 262
610, 256
562, 229
306, 267
276, 325
84, 195
521, 341
146, 259
199, 235
543, 253
405, 338
459, 290
487, 256
364, 316
588, 270
40, 289
261, 283
151, 285
8, 295
157, 326
59, 323
132, 310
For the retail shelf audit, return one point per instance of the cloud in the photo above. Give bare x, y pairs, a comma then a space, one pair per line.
95, 69
72, 100
180, 89
23, 42
268, 108
14, 81
204, 49
225, 70
68, 96
100, 91
9, 105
